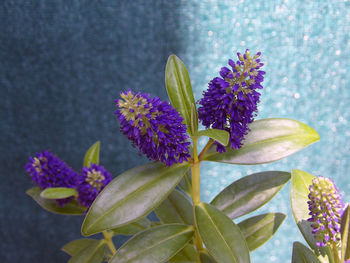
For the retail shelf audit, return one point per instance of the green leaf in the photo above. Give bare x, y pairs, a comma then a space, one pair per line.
133, 228
76, 246
132, 195
58, 193
345, 234
72, 208
186, 183
302, 254
178, 86
93, 253
267, 141
156, 245
205, 257
250, 192
176, 208
299, 191
221, 236
92, 156
218, 135
194, 118
187, 254
257, 230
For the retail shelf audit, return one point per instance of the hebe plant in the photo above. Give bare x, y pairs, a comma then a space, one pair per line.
188, 229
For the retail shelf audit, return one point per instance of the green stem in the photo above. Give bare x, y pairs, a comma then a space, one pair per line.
195, 172
205, 149
335, 253
109, 242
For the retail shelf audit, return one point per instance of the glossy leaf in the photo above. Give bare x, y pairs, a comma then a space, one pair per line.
299, 191
132, 195
218, 135
76, 246
72, 208
157, 244
345, 234
257, 230
221, 236
176, 208
58, 193
250, 192
187, 254
92, 156
194, 118
178, 86
302, 254
133, 228
267, 141
206, 258
91, 254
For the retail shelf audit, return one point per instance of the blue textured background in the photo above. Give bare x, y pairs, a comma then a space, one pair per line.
63, 63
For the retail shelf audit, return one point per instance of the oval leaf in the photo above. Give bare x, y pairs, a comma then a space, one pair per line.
58, 193
187, 254
218, 135
345, 234
302, 254
299, 191
186, 183
76, 246
194, 118
157, 244
267, 141
178, 86
92, 156
133, 228
176, 208
221, 236
94, 253
206, 258
131, 196
72, 208
259, 229
250, 192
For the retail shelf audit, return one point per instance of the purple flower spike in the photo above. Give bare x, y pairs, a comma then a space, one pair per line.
91, 182
326, 208
230, 102
153, 126
47, 170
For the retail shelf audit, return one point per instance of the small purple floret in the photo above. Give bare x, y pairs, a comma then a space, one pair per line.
154, 127
47, 170
91, 182
230, 102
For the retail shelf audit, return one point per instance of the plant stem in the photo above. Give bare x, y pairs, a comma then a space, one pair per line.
109, 242
205, 149
335, 253
195, 169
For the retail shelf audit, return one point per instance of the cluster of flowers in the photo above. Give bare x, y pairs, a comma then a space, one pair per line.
326, 208
47, 170
230, 103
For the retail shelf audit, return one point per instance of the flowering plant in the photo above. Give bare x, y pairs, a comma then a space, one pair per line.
187, 230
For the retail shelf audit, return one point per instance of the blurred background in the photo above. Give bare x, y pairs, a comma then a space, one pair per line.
63, 63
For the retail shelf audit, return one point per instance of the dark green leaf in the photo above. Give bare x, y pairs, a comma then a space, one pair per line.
176, 208
72, 208
133, 228
76, 246
58, 193
91, 254
206, 258
221, 236
250, 192
132, 195
187, 254
178, 86
218, 135
345, 234
92, 156
257, 230
299, 191
302, 254
186, 184
155, 245
267, 141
